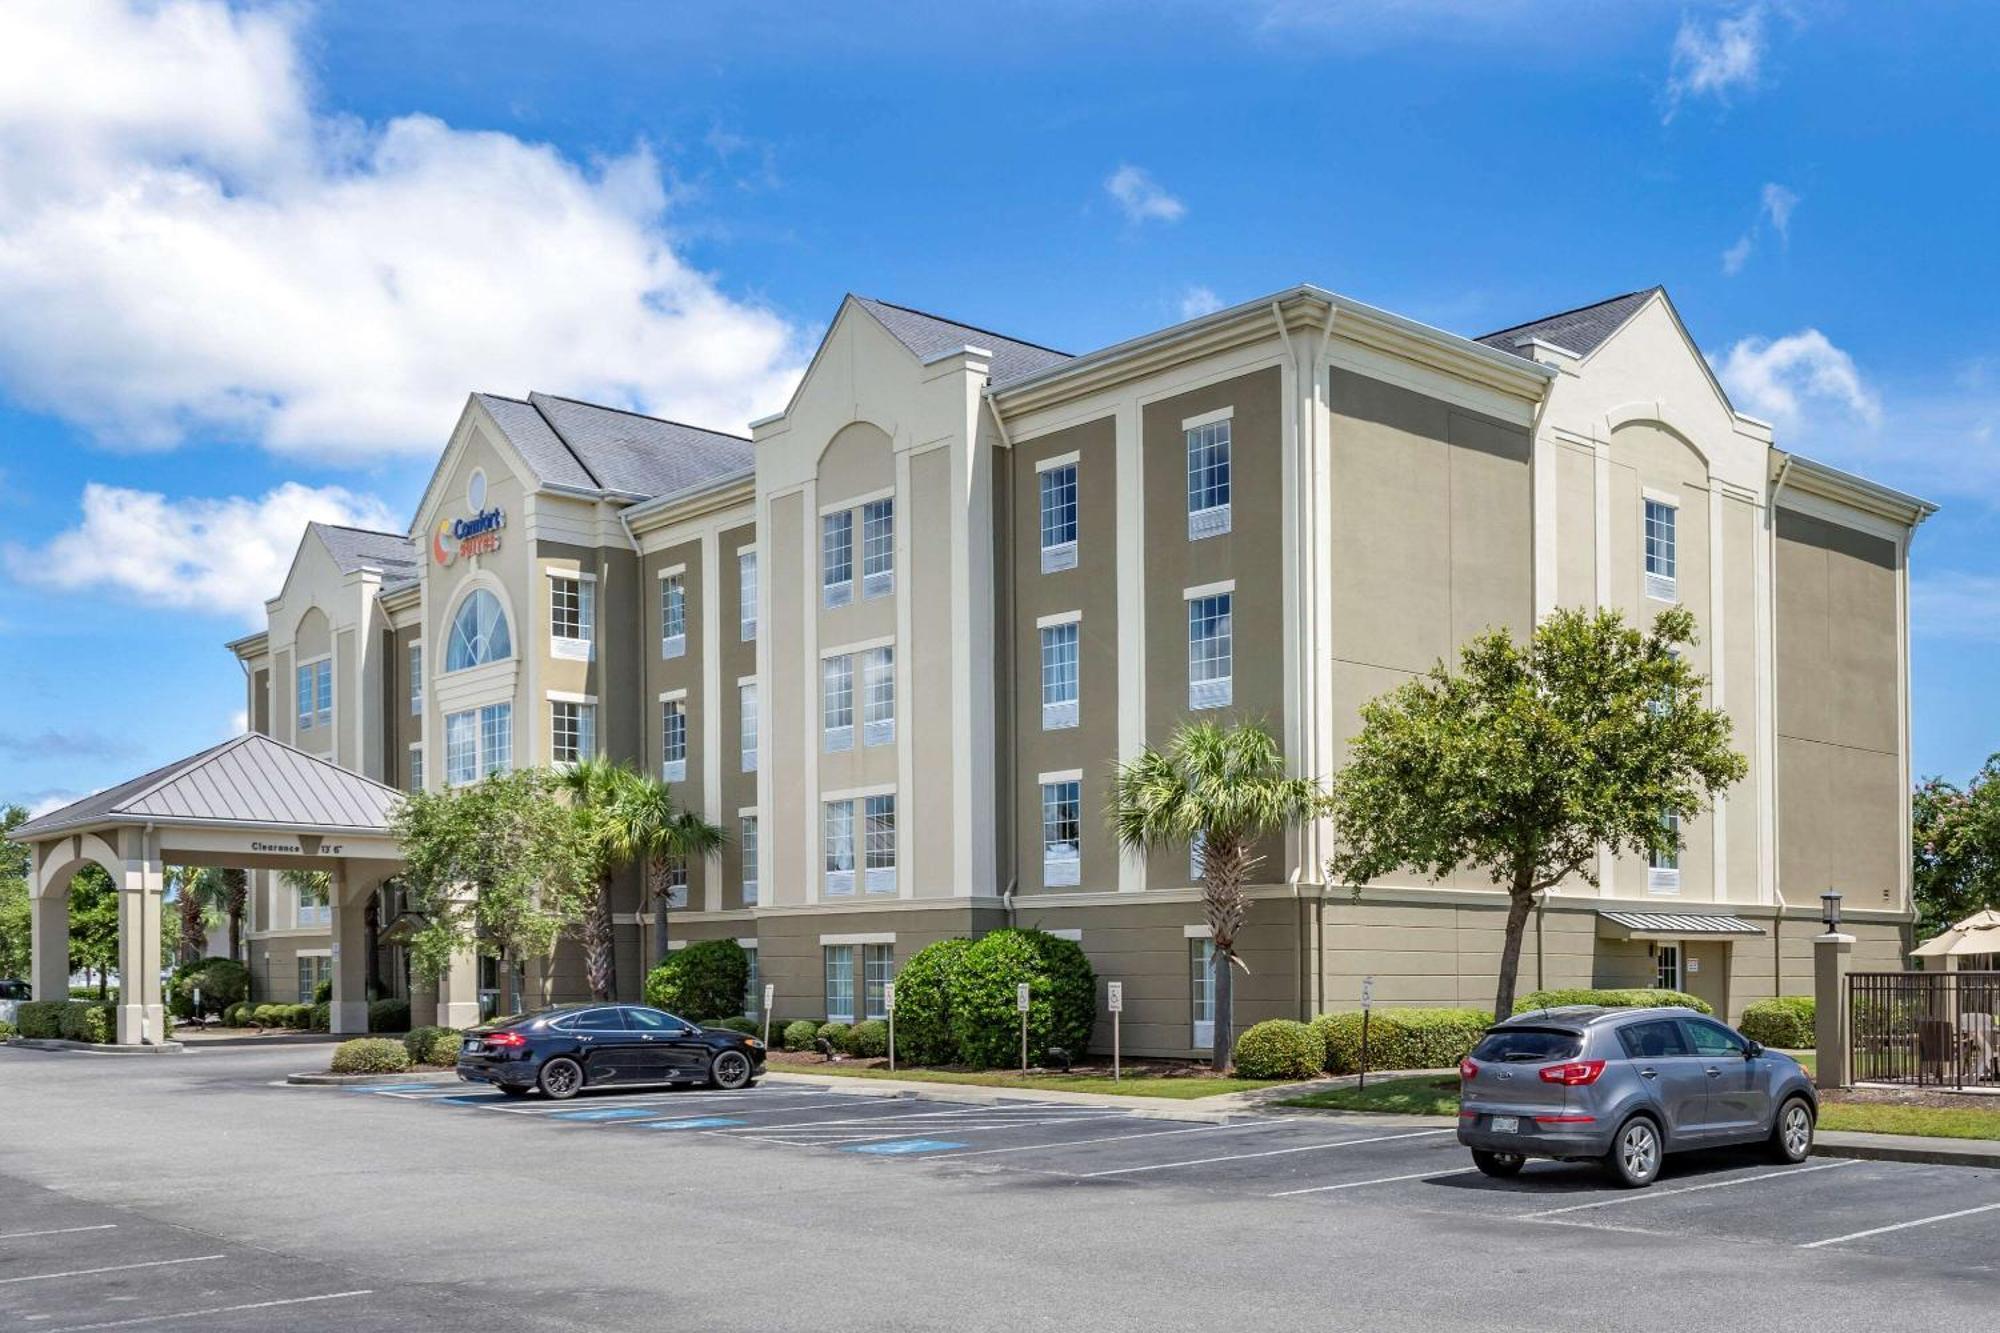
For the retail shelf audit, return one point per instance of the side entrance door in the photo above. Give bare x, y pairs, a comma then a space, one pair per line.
1705, 973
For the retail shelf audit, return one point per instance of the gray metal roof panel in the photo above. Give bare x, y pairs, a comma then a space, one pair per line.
929, 336
1686, 923
1582, 330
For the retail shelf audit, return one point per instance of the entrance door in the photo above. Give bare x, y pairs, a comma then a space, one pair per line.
1705, 973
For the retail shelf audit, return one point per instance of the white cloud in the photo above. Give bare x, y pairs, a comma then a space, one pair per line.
1775, 205
188, 243
1198, 301
1716, 58
1775, 378
1142, 197
224, 555
1737, 255
1955, 604
45, 802
239, 722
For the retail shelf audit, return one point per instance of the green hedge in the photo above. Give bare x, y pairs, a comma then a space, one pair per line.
41, 1019
89, 1021
320, 1017
869, 1040
433, 1045
1636, 997
389, 1016
835, 1035
981, 989
6, 1030
223, 982
370, 1055
799, 1034
323, 991
1402, 1038
1281, 1048
923, 1004
707, 977
1786, 1022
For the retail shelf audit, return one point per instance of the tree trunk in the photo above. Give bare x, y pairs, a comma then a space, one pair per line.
1225, 865
371, 947
236, 889
1520, 902
656, 882
1225, 984
599, 943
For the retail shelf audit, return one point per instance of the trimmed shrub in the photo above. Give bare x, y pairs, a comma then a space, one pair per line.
89, 1021
1402, 1038
1786, 1022
426, 1044
370, 1055
320, 1017
923, 1004
6, 1030
1282, 1048
323, 992
41, 1019
1634, 997
836, 1034
707, 977
238, 1014
1062, 997
222, 982
799, 1034
389, 1016
869, 1040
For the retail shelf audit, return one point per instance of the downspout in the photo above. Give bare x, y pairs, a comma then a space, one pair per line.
1014, 729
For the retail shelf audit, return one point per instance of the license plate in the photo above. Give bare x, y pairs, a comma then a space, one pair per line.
470, 1046
1505, 1124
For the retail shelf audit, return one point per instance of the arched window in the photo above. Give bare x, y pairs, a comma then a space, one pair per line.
478, 633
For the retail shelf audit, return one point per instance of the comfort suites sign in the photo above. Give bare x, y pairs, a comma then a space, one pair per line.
478, 534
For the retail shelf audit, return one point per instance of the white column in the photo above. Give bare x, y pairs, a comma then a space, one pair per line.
1131, 576
140, 1012
49, 943
350, 955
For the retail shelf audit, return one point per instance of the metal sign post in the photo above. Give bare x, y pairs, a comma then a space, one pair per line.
889, 1004
1021, 1003
1367, 1002
770, 993
1114, 999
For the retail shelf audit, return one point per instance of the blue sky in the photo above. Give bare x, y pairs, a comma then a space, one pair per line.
255, 261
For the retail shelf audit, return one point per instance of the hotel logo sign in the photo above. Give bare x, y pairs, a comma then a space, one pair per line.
478, 534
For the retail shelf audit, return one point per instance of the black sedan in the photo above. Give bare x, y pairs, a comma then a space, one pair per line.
564, 1050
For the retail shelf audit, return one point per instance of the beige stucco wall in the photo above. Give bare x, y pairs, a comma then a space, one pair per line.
789, 709
738, 659
927, 808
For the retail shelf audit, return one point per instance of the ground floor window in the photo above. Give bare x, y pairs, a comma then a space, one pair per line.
313, 969
313, 908
840, 983
1667, 967
747, 840
1201, 990
753, 993
878, 968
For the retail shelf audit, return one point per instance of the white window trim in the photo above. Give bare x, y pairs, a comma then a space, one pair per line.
861, 937
418, 695
857, 793
857, 500
858, 646
578, 575
1059, 460
1207, 418
671, 571
1197, 932
569, 697
668, 696
1658, 496
312, 953
1209, 590
567, 649
1061, 775
1071, 933
1058, 618
333, 711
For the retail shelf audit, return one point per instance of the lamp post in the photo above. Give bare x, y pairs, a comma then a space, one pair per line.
1833, 955
1829, 911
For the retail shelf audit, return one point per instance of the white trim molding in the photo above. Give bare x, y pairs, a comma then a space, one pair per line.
858, 937
1208, 590
1208, 418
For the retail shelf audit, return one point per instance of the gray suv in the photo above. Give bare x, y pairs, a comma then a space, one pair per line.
1623, 1087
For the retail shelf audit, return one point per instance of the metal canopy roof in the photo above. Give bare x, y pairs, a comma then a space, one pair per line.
1674, 926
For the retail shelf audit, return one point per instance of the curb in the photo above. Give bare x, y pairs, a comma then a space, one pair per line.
316, 1080
1155, 1108
95, 1048
1907, 1148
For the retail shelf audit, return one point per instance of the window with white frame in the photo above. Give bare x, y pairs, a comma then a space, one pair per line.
1197, 858
673, 740
836, 558
878, 969
1058, 518
836, 677
1062, 832
878, 548
572, 617
1059, 675
746, 826
878, 696
496, 739
461, 748
1663, 868
1201, 991
572, 730
479, 633
1667, 967
839, 983
673, 616
753, 993
313, 907
313, 969
315, 694
1208, 479
1211, 651
746, 595
416, 767
416, 679
1661, 581
878, 844
676, 880
305, 698
837, 834
747, 721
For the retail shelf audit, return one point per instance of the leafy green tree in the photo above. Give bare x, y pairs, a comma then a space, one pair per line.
1955, 847
1530, 757
649, 828
93, 925
15, 928
1227, 787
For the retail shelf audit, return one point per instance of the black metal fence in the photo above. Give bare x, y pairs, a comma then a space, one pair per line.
1925, 1029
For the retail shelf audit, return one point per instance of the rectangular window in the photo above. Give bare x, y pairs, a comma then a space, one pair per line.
836, 675
753, 992
878, 696
1660, 560
416, 768
1208, 480
1059, 676
746, 707
416, 679
305, 696
676, 868
747, 834
839, 983
673, 617
572, 617
1211, 652
1667, 967
572, 731
673, 741
1201, 991
878, 844
1663, 869
836, 558
323, 687
313, 969
496, 738
838, 835
1062, 833
1059, 518
746, 595
878, 969
1197, 858
461, 748
878, 548
313, 909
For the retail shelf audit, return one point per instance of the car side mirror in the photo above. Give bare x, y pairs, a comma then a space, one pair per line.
1752, 1050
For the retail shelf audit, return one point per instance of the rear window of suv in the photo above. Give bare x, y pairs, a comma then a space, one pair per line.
1528, 1046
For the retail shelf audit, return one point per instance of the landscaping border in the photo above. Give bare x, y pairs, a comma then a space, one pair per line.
96, 1047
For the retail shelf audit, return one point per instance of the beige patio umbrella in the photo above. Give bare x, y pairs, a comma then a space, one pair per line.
1977, 934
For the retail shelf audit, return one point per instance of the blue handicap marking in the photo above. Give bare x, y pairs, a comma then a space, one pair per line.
607, 1113
384, 1087
471, 1099
897, 1146
698, 1122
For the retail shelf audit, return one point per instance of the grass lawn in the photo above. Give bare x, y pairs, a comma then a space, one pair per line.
1930, 1121
1429, 1094
1132, 1085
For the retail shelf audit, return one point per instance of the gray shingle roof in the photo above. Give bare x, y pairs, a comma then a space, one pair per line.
591, 448
394, 554
1582, 330
251, 779
537, 442
929, 336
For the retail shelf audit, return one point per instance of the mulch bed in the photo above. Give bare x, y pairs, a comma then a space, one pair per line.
803, 1060
1939, 1098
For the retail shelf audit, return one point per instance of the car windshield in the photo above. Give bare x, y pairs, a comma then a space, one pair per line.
1527, 1045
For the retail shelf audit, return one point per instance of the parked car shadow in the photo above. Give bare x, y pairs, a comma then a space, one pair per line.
1546, 1177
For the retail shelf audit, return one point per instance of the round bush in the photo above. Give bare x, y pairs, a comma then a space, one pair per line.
389, 1016
799, 1034
1786, 1022
433, 1045
236, 1015
1281, 1048
870, 1040
88, 1020
320, 1018
370, 1055
1062, 997
323, 991
41, 1019
1402, 1038
835, 1035
223, 982
1635, 997
923, 1004
707, 977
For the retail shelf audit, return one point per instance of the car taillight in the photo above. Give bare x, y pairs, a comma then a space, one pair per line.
1576, 1074
1468, 1070
506, 1039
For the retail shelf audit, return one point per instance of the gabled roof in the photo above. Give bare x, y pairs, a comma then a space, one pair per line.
392, 554
584, 447
251, 779
1582, 330
930, 336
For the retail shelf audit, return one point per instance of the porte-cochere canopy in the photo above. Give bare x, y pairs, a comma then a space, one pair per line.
252, 803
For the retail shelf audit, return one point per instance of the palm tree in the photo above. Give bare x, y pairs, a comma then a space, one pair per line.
595, 787
193, 895
235, 894
647, 826
1226, 788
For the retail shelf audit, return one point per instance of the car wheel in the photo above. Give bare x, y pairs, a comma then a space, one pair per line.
1634, 1159
512, 1091
1499, 1165
561, 1079
729, 1070
1792, 1132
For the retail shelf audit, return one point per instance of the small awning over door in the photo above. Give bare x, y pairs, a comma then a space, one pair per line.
1675, 926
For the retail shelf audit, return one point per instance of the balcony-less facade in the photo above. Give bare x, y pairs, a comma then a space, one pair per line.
894, 644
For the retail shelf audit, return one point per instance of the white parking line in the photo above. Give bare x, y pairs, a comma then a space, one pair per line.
1643, 1195
1268, 1152
113, 1268
1114, 1138
1900, 1226
58, 1231
917, 1117
695, 1114
214, 1309
1379, 1180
